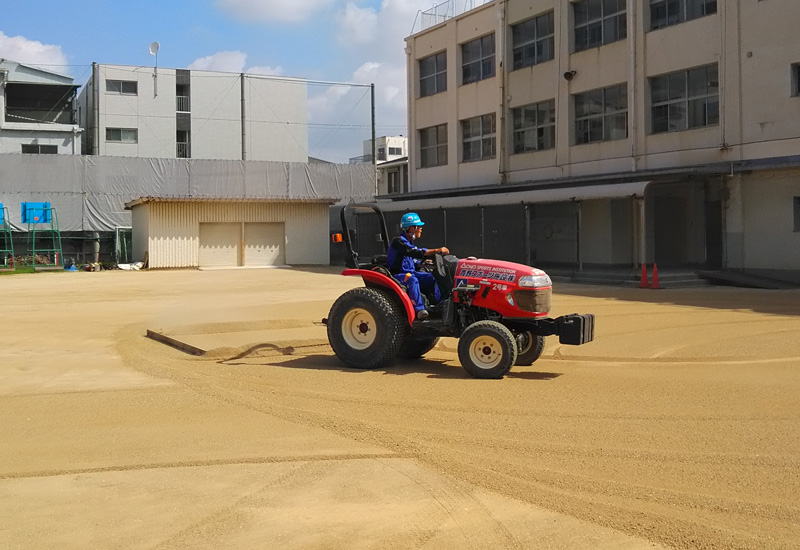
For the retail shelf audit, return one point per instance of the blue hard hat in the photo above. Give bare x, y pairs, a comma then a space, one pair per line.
410, 220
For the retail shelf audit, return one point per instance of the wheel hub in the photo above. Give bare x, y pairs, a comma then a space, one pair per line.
358, 328
486, 352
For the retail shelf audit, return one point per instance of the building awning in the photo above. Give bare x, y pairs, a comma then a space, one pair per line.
635, 189
261, 200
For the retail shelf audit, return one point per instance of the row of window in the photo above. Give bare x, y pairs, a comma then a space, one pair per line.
596, 22
679, 101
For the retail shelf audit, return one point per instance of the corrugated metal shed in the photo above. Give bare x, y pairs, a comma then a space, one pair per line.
176, 232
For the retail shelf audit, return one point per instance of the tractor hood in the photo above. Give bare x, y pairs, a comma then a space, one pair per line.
519, 275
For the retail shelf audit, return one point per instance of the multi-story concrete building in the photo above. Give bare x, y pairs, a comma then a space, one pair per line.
624, 131
37, 111
179, 113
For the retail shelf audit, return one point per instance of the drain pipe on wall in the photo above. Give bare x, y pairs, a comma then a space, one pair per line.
501, 66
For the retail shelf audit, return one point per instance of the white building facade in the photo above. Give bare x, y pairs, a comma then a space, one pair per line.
179, 113
697, 101
37, 111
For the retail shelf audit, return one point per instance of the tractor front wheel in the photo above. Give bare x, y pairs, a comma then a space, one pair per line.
366, 328
487, 349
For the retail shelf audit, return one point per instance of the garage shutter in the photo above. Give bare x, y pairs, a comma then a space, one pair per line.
264, 244
220, 244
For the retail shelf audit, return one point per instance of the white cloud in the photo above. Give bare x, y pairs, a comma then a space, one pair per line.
266, 70
288, 11
33, 52
228, 62
357, 25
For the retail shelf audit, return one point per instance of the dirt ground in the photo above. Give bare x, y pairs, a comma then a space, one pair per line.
678, 427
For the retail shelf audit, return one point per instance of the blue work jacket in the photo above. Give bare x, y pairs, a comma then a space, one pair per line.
402, 254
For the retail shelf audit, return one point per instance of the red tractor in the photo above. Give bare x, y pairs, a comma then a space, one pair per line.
498, 310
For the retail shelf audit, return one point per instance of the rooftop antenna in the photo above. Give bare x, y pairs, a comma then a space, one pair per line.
154, 47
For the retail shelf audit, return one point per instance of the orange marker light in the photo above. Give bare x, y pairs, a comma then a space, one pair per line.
336, 237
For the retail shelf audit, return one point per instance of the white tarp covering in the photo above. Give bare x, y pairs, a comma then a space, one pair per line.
89, 193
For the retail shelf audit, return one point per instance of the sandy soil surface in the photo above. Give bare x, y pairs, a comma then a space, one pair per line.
678, 427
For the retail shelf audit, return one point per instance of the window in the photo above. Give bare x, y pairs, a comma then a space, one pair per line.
796, 79
34, 149
433, 146
123, 135
664, 13
599, 22
532, 41
601, 115
381, 153
797, 214
395, 151
124, 87
685, 100
433, 74
477, 59
478, 138
534, 127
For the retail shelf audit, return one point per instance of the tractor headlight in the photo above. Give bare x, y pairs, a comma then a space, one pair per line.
535, 281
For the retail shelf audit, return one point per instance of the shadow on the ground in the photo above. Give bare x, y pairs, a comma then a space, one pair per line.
434, 368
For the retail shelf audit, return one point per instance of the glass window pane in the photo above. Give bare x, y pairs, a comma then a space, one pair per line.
677, 85
487, 45
659, 89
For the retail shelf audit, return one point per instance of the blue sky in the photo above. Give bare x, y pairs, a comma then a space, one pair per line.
358, 41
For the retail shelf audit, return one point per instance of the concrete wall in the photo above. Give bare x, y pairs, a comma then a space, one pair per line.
767, 243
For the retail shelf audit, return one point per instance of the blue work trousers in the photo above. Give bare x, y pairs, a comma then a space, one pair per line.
416, 284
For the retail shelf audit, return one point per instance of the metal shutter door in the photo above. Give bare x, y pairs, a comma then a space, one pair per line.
264, 244
220, 244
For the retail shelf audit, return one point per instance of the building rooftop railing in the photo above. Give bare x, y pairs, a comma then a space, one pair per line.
442, 12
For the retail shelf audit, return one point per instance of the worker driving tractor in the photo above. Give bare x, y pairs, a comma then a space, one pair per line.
404, 259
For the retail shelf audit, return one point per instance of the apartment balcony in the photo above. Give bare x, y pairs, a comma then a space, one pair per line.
182, 104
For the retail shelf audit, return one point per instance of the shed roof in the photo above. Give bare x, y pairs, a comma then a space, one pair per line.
300, 200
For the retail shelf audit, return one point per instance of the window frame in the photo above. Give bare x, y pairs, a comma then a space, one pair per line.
795, 79
536, 43
484, 61
485, 138
438, 76
122, 134
602, 22
604, 117
120, 90
41, 149
687, 10
681, 105
796, 205
438, 147
542, 131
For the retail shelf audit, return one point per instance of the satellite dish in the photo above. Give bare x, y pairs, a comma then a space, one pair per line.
154, 48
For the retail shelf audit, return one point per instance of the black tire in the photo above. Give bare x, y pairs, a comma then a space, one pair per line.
416, 347
366, 328
487, 349
529, 347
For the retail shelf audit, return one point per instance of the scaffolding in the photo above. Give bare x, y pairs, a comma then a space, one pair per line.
44, 236
6, 241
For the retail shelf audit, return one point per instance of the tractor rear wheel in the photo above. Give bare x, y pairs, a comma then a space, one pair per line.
416, 346
529, 347
487, 349
366, 328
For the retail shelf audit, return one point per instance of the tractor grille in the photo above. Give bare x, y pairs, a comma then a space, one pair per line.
534, 301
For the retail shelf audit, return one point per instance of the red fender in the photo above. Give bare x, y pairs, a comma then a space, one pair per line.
379, 279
